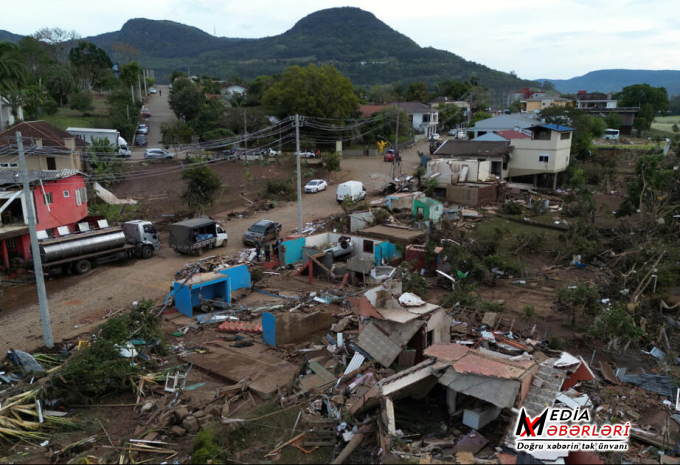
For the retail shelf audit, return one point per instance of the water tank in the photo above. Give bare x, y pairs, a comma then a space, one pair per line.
67, 247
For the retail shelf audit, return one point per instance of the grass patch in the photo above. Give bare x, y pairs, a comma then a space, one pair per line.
513, 230
67, 118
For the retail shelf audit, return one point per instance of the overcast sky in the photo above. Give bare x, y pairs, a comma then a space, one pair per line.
535, 38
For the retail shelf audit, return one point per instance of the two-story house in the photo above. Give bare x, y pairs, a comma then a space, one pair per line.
534, 105
515, 154
526, 93
58, 198
595, 100
422, 118
46, 147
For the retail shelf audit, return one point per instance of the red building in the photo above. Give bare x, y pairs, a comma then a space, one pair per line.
59, 198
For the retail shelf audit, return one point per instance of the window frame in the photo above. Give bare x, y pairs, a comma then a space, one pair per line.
67, 194
544, 155
48, 199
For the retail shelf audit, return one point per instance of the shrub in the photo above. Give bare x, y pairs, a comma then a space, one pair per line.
528, 312
81, 101
513, 208
50, 107
280, 190
412, 281
498, 307
556, 343
616, 322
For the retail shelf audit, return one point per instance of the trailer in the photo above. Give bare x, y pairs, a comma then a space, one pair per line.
80, 252
112, 135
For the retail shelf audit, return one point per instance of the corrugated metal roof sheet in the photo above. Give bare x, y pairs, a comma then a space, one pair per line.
8, 177
555, 127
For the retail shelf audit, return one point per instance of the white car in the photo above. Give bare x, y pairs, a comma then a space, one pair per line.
307, 155
316, 185
142, 128
152, 90
151, 154
434, 136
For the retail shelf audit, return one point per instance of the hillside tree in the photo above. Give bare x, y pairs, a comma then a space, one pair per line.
90, 61
641, 94
186, 101
60, 83
317, 91
201, 186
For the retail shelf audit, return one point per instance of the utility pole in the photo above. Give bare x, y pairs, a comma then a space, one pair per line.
299, 175
139, 84
145, 91
35, 250
132, 91
245, 128
396, 146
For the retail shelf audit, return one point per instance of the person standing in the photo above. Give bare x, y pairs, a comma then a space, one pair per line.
258, 246
160, 93
267, 252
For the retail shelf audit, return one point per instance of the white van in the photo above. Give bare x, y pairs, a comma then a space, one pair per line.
354, 189
612, 134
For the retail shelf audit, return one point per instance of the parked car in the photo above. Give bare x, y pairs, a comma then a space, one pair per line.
389, 156
452, 132
142, 128
462, 135
140, 140
152, 154
434, 136
146, 112
152, 90
316, 185
264, 230
343, 247
307, 155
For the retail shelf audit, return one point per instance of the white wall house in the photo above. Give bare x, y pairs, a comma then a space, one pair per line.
6, 116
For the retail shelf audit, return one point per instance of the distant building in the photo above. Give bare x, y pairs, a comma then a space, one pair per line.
50, 148
526, 93
6, 116
422, 118
593, 101
228, 89
501, 123
537, 104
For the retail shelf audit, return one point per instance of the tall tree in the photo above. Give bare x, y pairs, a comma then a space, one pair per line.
320, 91
201, 186
129, 73
641, 94
90, 61
417, 92
13, 70
186, 102
59, 40
60, 83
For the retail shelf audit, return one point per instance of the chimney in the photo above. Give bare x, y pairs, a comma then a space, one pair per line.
38, 143
70, 143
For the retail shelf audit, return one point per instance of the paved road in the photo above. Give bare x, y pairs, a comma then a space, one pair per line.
79, 300
160, 113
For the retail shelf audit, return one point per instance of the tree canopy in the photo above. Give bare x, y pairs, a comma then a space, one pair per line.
320, 91
90, 61
641, 94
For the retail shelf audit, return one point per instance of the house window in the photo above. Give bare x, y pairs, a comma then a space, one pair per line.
81, 196
67, 194
368, 246
543, 158
11, 243
47, 197
426, 118
51, 163
9, 165
565, 136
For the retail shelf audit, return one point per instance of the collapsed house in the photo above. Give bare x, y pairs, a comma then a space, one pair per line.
399, 325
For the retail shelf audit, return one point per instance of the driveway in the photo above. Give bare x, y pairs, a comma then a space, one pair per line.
160, 113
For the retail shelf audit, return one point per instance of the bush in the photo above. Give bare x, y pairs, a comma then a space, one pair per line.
412, 281
616, 322
50, 107
81, 101
463, 295
513, 208
498, 307
112, 213
280, 190
528, 312
556, 343
206, 449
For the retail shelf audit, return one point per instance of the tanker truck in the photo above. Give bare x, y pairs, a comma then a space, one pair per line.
79, 252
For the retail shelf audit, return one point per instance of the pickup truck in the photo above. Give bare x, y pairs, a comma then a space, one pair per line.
196, 235
263, 230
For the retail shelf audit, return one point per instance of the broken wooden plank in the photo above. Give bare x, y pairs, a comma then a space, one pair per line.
608, 373
321, 371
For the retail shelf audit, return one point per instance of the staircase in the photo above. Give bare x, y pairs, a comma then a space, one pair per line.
545, 387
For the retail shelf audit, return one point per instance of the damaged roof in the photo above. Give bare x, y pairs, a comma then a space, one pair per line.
466, 360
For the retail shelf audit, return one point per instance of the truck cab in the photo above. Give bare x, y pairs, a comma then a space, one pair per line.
141, 232
123, 148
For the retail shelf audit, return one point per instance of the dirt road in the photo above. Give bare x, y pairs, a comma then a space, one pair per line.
80, 300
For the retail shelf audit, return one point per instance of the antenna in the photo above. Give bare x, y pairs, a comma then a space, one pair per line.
214, 30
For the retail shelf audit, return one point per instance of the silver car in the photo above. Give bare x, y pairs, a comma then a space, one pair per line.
157, 154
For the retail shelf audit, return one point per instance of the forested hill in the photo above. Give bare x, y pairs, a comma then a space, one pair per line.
355, 41
613, 80
6, 35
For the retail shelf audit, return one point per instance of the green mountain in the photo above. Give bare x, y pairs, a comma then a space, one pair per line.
6, 35
355, 41
613, 80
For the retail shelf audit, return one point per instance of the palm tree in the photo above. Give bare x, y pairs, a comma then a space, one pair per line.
13, 70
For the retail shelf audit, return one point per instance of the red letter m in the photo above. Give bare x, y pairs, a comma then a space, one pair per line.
527, 425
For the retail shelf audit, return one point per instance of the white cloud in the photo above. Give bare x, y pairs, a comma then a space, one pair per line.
557, 39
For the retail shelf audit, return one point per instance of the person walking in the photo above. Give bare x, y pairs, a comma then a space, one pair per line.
160, 93
267, 252
257, 250
277, 246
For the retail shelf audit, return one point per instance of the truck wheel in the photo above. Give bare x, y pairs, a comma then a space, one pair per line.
147, 252
83, 266
224, 243
199, 251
